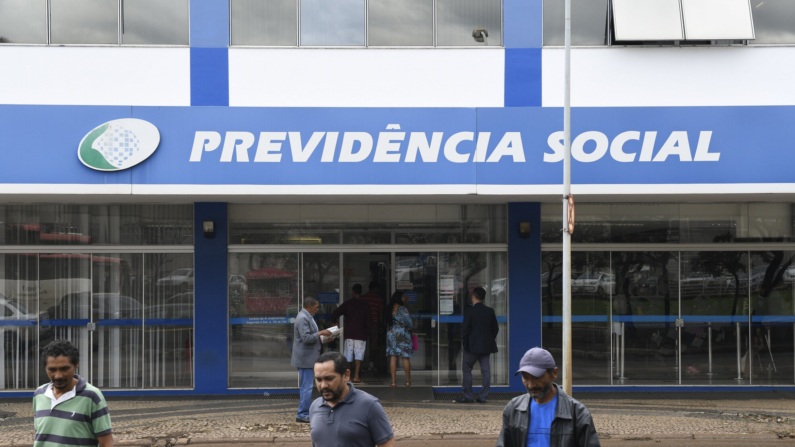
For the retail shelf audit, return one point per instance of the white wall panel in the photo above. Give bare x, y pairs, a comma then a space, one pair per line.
646, 77
366, 78
95, 76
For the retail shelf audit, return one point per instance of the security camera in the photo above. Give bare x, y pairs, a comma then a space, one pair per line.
480, 34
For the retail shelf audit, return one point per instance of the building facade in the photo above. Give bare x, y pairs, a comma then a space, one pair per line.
178, 176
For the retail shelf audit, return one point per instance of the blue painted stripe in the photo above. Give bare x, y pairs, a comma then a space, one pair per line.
261, 320
17, 323
678, 388
523, 77
168, 322
121, 322
209, 23
577, 319
70, 322
666, 319
773, 319
209, 76
460, 319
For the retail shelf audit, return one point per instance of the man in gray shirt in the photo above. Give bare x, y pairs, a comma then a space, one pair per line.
344, 416
306, 347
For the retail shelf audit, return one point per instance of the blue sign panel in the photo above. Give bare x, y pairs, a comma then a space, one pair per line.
412, 297
328, 298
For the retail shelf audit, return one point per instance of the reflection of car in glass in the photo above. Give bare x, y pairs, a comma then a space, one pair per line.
180, 278
178, 306
789, 275
696, 283
14, 310
594, 282
756, 277
270, 291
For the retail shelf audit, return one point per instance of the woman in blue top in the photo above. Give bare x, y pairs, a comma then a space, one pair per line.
398, 336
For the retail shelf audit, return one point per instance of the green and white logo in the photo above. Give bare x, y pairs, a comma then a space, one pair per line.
118, 144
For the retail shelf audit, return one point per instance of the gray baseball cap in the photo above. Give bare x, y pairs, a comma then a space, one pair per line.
536, 362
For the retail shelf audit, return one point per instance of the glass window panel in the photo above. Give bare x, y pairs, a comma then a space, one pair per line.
65, 296
645, 307
651, 223
416, 274
592, 286
588, 22
168, 318
155, 22
702, 223
23, 21
84, 21
771, 356
714, 290
322, 282
400, 22
774, 21
19, 312
117, 307
262, 300
332, 22
647, 20
457, 19
717, 19
264, 22
770, 222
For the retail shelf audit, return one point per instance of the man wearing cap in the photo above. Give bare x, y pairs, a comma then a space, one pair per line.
545, 416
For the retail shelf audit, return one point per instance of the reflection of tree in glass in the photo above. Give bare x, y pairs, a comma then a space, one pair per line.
717, 264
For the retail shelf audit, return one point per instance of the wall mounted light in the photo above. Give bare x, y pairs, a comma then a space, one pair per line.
209, 229
524, 230
480, 34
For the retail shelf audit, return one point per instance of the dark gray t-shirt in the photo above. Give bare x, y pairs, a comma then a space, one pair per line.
358, 420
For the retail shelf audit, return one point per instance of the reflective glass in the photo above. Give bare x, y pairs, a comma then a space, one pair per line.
155, 22
588, 22
168, 320
321, 277
264, 22
416, 275
770, 358
704, 223
332, 22
456, 20
65, 296
592, 287
645, 307
84, 21
459, 275
400, 22
770, 222
23, 21
19, 312
117, 307
263, 298
714, 290
774, 21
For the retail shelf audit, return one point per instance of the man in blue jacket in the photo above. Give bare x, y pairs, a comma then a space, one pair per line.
306, 348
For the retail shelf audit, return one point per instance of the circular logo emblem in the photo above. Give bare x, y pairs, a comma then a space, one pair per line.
118, 144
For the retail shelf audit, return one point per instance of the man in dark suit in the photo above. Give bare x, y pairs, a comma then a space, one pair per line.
479, 335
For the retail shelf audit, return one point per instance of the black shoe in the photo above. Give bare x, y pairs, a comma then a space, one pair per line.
463, 401
480, 401
302, 420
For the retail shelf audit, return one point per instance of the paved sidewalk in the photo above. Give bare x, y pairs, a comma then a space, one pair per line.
172, 421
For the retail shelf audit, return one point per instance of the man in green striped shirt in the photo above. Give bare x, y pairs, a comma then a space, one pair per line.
69, 411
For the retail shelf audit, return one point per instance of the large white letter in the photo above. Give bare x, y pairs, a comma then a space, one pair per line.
702, 150
647, 150
204, 141
419, 142
301, 154
555, 142
677, 144
450, 146
329, 147
268, 142
482, 146
511, 144
231, 145
578, 146
365, 146
385, 147
617, 146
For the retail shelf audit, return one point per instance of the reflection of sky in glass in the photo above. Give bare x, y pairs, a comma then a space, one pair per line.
84, 21
332, 22
23, 21
456, 19
155, 22
774, 21
400, 22
264, 22
588, 22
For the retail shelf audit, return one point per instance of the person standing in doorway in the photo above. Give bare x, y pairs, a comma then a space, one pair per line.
479, 337
306, 348
546, 415
358, 324
398, 338
69, 410
344, 415
376, 302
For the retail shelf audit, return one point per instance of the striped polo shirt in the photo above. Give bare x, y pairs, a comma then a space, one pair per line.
77, 421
